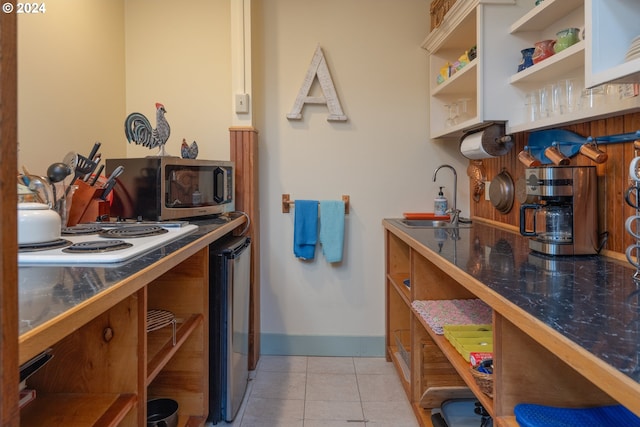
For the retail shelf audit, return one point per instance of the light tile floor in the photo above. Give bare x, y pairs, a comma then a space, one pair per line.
301, 391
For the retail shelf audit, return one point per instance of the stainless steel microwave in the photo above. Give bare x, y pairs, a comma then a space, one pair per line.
166, 188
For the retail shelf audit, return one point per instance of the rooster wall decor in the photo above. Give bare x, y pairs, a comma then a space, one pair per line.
138, 129
189, 151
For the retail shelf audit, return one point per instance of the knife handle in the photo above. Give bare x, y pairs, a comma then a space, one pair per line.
97, 175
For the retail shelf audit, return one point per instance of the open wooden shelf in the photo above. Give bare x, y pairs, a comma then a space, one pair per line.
77, 409
191, 421
397, 281
505, 422
398, 362
539, 18
459, 364
160, 348
423, 415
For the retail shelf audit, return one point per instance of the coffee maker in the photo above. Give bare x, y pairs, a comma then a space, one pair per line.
564, 220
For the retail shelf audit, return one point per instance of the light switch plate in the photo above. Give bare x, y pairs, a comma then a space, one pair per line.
487, 186
242, 103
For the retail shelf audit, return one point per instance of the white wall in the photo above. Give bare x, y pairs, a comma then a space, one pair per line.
381, 157
70, 81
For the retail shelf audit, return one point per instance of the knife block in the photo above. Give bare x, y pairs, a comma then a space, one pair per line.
86, 204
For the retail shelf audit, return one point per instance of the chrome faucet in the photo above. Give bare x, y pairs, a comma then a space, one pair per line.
454, 212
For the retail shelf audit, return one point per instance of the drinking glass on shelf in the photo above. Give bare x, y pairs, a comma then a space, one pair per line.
545, 101
612, 93
557, 98
451, 120
532, 105
463, 111
570, 95
592, 98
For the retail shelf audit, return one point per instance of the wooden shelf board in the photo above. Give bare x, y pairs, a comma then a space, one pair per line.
191, 421
613, 109
551, 68
506, 422
461, 83
541, 16
423, 415
456, 131
460, 365
397, 362
396, 281
160, 348
624, 72
74, 409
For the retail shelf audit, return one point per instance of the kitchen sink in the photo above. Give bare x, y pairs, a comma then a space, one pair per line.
431, 223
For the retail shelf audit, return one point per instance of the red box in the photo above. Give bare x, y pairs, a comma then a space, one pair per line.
476, 357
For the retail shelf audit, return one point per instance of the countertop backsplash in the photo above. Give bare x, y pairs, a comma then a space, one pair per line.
612, 179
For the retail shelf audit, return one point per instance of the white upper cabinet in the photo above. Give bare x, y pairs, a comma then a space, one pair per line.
613, 41
474, 89
549, 93
570, 86
574, 67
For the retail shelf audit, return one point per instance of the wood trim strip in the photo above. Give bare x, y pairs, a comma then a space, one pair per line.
244, 152
9, 367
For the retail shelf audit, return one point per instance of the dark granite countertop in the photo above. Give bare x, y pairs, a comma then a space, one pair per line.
47, 291
591, 300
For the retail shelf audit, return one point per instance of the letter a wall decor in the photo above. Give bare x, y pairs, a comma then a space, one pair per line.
318, 67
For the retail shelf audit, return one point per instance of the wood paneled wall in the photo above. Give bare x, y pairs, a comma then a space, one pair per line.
244, 152
612, 179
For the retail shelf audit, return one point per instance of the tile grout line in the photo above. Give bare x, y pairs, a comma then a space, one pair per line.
306, 379
355, 371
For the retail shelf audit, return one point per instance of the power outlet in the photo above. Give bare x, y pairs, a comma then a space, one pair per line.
242, 103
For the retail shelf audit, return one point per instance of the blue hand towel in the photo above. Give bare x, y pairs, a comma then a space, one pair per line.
305, 228
332, 229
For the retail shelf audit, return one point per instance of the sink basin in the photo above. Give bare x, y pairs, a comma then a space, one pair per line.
431, 223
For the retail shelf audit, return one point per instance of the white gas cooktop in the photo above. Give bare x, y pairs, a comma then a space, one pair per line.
139, 245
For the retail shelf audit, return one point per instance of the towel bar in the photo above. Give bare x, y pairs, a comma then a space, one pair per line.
287, 203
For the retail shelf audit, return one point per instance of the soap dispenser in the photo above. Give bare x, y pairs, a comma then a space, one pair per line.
440, 204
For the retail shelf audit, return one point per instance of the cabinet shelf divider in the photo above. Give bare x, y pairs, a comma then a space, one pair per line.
158, 360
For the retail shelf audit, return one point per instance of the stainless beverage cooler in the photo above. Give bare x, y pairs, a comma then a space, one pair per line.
229, 267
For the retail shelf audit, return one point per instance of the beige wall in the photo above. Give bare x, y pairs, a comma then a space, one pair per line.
179, 54
104, 59
70, 81
381, 157
83, 66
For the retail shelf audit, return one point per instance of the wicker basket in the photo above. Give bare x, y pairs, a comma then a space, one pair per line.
438, 10
484, 381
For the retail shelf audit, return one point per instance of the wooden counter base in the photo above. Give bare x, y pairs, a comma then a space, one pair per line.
106, 365
534, 363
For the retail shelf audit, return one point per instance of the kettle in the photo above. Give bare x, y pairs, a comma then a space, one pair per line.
37, 223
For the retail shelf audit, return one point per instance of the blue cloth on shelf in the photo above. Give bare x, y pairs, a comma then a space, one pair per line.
530, 415
332, 229
305, 228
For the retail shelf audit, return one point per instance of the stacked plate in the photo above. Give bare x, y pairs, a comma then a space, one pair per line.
634, 50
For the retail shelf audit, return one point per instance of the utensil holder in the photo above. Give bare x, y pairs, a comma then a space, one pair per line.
86, 204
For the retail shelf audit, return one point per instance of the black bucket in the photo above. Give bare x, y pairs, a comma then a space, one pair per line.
162, 413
